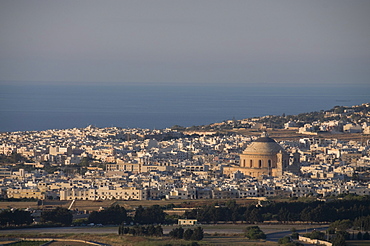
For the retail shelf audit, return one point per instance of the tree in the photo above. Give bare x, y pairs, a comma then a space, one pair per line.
323, 213
284, 240
85, 162
339, 240
253, 216
177, 233
231, 204
362, 223
150, 215
283, 215
198, 234
295, 235
139, 211
188, 234
21, 217
113, 215
158, 231
151, 230
121, 230
15, 217
306, 214
58, 215
13, 158
366, 236
341, 225
317, 235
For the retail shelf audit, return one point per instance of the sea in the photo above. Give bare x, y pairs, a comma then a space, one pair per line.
29, 106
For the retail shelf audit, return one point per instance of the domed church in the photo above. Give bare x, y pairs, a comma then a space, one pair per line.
265, 157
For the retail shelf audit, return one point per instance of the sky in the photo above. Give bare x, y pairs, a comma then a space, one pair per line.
193, 41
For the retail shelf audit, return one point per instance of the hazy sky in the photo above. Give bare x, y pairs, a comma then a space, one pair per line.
200, 41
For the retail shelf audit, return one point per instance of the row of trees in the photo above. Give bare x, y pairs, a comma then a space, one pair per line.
355, 209
137, 230
362, 223
114, 215
15, 218
59, 215
179, 233
117, 215
196, 234
285, 212
149, 215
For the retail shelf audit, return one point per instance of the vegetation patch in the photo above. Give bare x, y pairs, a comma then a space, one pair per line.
27, 243
254, 232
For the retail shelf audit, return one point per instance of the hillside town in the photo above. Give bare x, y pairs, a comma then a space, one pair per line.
206, 162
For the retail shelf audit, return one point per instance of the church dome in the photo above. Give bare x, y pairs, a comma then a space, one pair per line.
264, 145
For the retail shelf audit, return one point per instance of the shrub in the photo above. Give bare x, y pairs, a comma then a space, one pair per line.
295, 235
254, 232
284, 240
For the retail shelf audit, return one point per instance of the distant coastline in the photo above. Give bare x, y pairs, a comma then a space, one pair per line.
35, 106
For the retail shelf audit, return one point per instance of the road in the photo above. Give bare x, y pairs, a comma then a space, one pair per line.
275, 236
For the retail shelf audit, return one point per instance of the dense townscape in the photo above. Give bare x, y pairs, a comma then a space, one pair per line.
140, 164
323, 172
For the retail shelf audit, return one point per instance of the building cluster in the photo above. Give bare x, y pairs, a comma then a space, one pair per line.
338, 121
332, 126
142, 164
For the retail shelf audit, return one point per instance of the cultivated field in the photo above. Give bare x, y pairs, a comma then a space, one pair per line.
225, 234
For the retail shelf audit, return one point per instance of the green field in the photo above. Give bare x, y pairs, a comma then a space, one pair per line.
220, 234
115, 240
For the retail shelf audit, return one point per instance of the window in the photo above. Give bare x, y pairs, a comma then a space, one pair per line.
250, 163
259, 163
269, 163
